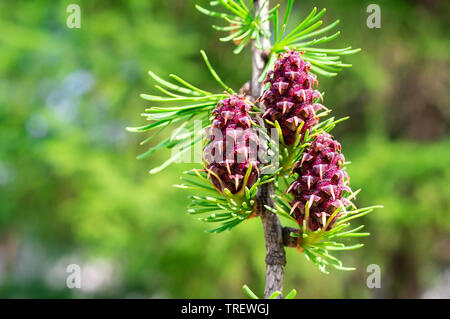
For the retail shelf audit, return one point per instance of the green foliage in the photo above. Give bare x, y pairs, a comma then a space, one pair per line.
252, 295
189, 102
243, 24
303, 37
249, 292
223, 206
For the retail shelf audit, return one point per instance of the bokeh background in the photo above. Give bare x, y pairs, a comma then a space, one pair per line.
72, 191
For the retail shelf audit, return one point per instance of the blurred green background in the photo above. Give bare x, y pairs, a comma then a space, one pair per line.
72, 191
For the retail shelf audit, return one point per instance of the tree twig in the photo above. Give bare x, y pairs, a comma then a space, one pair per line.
273, 232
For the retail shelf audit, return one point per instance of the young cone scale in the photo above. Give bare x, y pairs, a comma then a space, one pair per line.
231, 154
290, 100
320, 184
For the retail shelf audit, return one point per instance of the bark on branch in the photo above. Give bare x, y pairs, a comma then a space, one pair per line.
288, 240
273, 232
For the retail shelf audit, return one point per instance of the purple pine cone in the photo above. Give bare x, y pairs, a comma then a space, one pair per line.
321, 180
290, 98
233, 146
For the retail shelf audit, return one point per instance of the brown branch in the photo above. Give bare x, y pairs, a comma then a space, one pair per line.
273, 232
288, 240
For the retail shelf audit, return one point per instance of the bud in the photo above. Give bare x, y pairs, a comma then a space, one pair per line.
290, 98
321, 182
231, 155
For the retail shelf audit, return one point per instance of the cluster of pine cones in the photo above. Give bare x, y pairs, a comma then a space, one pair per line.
290, 100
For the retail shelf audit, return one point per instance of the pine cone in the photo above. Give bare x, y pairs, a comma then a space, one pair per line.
233, 145
290, 98
321, 180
